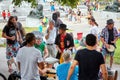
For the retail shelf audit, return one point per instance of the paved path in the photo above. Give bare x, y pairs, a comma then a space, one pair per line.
76, 27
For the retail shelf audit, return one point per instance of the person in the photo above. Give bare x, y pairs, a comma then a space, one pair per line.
62, 69
109, 36
50, 38
11, 33
79, 15
63, 41
56, 18
8, 14
29, 60
4, 15
20, 27
40, 45
94, 28
89, 61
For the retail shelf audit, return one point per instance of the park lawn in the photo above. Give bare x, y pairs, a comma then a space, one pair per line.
117, 52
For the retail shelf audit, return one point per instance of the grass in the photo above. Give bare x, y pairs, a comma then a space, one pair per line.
117, 52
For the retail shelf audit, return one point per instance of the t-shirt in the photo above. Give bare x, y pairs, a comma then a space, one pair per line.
111, 36
20, 28
10, 31
94, 30
89, 64
62, 72
68, 41
28, 58
40, 47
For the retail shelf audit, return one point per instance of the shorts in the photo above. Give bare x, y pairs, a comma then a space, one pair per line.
105, 52
11, 50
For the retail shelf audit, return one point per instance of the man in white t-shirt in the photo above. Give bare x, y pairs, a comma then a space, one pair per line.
50, 38
29, 60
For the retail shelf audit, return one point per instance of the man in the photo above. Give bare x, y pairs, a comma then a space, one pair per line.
50, 38
63, 41
56, 18
30, 60
89, 60
62, 69
19, 25
109, 36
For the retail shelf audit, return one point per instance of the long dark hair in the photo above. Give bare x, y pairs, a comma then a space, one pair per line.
93, 20
9, 21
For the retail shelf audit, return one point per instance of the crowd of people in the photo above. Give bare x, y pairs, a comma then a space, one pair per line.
30, 56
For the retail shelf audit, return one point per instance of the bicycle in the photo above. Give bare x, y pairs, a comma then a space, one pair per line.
2, 77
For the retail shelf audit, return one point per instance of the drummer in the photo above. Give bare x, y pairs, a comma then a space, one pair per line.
40, 44
109, 36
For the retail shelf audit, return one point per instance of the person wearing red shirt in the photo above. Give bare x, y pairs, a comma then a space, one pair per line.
8, 14
4, 15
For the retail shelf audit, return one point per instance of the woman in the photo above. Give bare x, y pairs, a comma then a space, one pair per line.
94, 27
12, 34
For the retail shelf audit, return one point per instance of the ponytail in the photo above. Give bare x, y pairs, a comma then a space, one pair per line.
96, 23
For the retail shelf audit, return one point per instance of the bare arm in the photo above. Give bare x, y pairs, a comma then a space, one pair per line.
45, 52
7, 37
58, 48
42, 70
19, 66
74, 63
104, 71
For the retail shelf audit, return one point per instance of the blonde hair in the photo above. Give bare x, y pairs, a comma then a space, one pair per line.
66, 55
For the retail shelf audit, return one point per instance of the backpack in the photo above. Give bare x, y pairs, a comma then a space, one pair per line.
54, 16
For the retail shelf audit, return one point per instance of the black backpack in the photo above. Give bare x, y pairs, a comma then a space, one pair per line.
54, 16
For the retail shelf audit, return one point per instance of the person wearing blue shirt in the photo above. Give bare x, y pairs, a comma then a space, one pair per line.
62, 69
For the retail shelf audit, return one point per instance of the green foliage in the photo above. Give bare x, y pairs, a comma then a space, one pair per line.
71, 3
19, 2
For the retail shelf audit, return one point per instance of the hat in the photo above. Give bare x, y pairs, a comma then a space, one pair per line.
110, 21
63, 27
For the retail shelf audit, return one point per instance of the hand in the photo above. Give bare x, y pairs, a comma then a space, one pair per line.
107, 45
113, 41
12, 38
60, 51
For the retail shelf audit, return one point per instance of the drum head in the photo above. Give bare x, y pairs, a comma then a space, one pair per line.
111, 49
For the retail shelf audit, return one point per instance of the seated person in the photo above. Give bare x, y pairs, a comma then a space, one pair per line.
62, 69
39, 44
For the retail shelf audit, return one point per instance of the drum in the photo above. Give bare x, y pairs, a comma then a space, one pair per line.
112, 74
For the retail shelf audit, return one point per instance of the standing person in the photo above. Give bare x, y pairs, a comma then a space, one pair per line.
50, 38
79, 15
4, 15
89, 61
109, 36
63, 41
56, 18
62, 69
20, 27
94, 29
8, 14
40, 45
30, 60
11, 33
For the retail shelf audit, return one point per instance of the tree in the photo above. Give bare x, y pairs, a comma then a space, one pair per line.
71, 3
